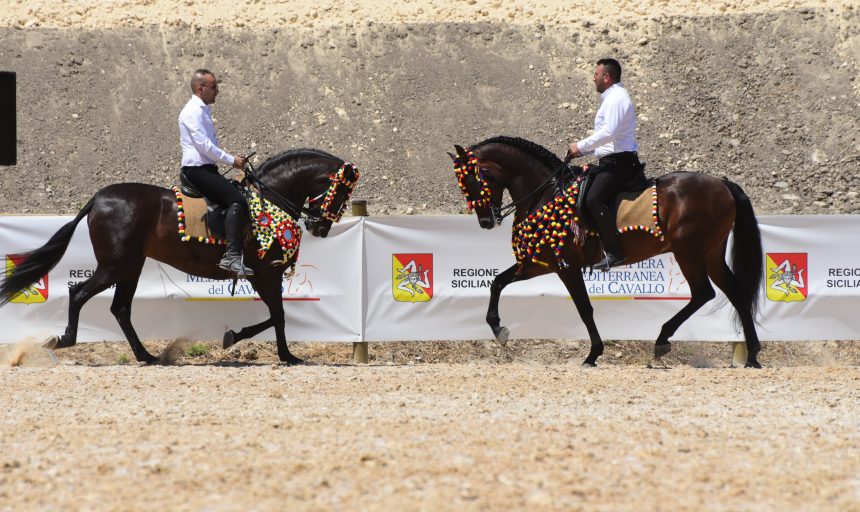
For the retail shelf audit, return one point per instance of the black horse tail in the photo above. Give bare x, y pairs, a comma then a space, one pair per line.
747, 254
40, 261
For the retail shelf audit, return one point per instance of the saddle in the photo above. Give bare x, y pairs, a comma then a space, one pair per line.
212, 217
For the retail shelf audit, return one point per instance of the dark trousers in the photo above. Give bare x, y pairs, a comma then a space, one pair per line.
215, 187
611, 174
218, 189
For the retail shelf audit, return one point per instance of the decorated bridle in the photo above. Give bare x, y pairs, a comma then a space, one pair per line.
342, 180
463, 169
498, 212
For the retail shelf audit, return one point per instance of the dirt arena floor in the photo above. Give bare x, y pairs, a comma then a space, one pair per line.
437, 426
764, 91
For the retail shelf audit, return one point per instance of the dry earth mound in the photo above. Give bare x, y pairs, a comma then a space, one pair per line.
764, 92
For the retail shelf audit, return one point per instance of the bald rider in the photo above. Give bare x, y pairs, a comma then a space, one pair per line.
200, 158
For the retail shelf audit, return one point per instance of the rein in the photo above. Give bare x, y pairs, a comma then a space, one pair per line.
285, 204
511, 207
498, 212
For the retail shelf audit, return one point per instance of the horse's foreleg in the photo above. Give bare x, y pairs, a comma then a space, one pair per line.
270, 291
499, 283
572, 279
79, 294
232, 337
701, 292
121, 309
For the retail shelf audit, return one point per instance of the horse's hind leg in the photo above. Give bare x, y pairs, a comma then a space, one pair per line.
701, 292
121, 309
723, 277
79, 294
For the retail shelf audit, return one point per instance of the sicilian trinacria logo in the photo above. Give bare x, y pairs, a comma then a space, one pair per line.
412, 277
35, 293
787, 276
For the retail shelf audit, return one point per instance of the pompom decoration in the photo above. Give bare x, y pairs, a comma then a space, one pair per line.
463, 170
180, 215
341, 181
555, 226
275, 224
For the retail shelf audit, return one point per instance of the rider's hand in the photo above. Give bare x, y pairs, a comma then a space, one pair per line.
239, 162
573, 150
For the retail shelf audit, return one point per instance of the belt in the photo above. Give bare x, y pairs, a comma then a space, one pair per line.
207, 167
623, 155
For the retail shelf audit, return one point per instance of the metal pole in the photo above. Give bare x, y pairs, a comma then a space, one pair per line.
359, 348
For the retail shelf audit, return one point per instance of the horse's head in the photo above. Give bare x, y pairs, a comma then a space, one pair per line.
481, 184
328, 196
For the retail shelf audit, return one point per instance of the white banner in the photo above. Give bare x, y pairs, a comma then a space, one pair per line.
322, 300
428, 278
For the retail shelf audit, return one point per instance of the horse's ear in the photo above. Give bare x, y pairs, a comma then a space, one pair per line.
453, 157
460, 151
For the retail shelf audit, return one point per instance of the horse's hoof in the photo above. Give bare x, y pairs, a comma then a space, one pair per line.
586, 364
52, 343
502, 336
229, 339
292, 360
752, 364
662, 350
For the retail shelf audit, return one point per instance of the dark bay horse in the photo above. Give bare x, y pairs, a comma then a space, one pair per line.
129, 222
695, 211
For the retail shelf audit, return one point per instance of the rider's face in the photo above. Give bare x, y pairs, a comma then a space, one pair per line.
602, 80
208, 90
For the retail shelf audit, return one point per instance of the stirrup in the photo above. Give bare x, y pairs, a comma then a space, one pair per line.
610, 261
234, 264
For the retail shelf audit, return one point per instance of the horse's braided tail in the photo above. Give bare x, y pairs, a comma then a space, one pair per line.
39, 262
747, 253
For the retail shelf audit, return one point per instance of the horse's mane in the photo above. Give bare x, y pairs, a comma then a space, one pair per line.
294, 154
534, 149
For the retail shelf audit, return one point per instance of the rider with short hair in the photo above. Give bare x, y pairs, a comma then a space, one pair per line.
614, 144
200, 156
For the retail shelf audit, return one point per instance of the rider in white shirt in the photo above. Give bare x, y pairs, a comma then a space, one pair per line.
614, 144
200, 156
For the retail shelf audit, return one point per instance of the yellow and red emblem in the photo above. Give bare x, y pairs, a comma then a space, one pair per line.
35, 293
412, 277
787, 276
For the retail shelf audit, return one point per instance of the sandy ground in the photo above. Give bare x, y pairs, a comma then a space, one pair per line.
519, 435
418, 429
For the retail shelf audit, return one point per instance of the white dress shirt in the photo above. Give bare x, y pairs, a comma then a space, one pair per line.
614, 125
197, 136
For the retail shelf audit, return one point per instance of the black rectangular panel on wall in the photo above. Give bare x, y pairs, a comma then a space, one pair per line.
8, 121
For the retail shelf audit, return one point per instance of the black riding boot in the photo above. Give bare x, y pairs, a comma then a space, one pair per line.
234, 225
605, 224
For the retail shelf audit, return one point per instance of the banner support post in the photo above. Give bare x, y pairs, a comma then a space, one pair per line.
359, 348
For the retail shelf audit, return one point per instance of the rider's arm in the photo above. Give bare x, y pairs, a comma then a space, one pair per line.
198, 136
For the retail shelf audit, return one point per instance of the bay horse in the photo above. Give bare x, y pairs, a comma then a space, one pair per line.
129, 222
695, 211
